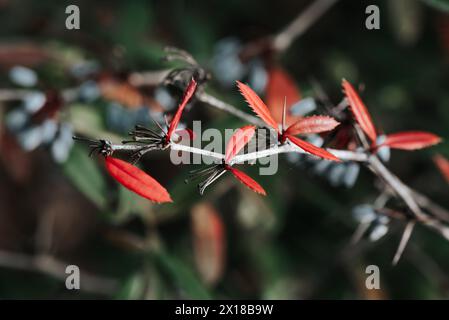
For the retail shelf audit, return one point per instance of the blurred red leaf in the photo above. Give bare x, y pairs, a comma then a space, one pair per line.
443, 32
281, 87
25, 54
188, 93
15, 161
313, 124
53, 104
257, 105
411, 140
443, 165
209, 242
238, 140
136, 180
359, 110
247, 180
312, 149
121, 92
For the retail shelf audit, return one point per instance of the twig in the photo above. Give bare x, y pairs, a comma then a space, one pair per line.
301, 23
344, 155
14, 94
424, 202
404, 240
221, 105
54, 268
148, 78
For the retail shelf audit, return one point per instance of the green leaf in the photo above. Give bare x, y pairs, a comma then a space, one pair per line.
86, 176
442, 5
88, 121
133, 288
183, 276
130, 203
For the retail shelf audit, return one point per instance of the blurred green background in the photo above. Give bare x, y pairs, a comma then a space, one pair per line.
229, 243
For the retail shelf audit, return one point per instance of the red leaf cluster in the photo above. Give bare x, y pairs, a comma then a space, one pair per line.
237, 142
407, 140
314, 124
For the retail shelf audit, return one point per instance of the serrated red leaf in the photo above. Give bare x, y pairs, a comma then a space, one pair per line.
238, 140
136, 180
247, 180
359, 110
312, 149
188, 93
281, 86
443, 165
257, 105
411, 140
313, 124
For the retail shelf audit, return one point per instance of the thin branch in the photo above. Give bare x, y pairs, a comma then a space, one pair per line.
207, 153
301, 24
54, 268
14, 94
404, 240
359, 232
148, 78
344, 155
221, 105
397, 185
435, 209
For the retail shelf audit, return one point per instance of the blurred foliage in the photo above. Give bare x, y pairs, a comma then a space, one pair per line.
292, 244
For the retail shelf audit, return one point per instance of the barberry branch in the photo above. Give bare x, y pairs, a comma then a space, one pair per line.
344, 155
413, 199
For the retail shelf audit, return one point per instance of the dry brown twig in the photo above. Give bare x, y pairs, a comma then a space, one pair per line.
49, 265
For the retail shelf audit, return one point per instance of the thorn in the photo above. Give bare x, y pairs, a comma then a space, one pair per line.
284, 113
404, 240
166, 121
157, 123
359, 232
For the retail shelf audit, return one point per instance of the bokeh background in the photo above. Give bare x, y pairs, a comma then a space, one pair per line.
59, 207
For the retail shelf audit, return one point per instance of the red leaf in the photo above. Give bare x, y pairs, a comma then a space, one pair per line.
257, 105
185, 99
310, 148
411, 140
359, 110
281, 86
136, 180
238, 140
24, 54
121, 92
442, 164
246, 180
209, 242
313, 124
